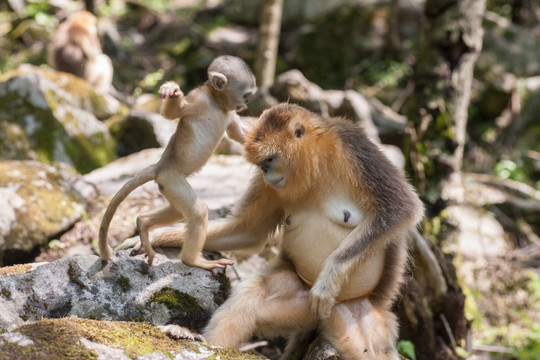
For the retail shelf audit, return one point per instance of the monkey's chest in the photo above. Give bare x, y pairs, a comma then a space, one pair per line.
312, 233
336, 217
198, 141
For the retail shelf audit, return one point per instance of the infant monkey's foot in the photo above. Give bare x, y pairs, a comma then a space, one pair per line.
139, 249
150, 254
178, 332
210, 265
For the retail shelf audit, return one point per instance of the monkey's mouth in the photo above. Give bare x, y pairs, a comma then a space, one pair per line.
241, 107
278, 183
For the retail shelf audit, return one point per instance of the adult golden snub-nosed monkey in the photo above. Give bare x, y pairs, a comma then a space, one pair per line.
344, 211
75, 48
206, 113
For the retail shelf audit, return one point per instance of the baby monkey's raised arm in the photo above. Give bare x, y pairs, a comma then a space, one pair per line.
205, 114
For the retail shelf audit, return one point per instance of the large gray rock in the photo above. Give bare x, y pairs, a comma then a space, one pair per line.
52, 116
168, 292
37, 202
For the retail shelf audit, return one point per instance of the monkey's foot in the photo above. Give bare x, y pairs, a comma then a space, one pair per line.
181, 333
209, 265
138, 249
150, 254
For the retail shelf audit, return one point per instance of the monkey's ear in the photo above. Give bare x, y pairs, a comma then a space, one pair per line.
299, 131
218, 80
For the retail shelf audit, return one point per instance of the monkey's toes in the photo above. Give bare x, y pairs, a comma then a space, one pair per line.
220, 264
150, 259
137, 250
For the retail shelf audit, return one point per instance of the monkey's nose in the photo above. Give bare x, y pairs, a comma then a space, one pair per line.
266, 163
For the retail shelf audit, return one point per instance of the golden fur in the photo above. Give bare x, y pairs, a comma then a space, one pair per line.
206, 113
75, 48
344, 211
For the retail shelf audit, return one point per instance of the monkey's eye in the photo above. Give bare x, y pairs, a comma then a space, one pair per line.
246, 99
299, 131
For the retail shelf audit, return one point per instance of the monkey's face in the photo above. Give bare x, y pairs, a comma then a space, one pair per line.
240, 92
284, 146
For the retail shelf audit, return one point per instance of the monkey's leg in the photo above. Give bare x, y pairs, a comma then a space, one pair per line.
184, 199
146, 222
360, 330
269, 304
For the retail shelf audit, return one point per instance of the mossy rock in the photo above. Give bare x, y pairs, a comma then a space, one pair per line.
185, 309
80, 339
37, 202
43, 121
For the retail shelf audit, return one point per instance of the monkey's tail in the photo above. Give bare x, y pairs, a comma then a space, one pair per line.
143, 177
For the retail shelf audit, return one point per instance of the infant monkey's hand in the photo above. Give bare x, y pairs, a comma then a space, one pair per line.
170, 90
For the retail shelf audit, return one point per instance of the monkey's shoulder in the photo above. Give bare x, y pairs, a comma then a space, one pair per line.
199, 105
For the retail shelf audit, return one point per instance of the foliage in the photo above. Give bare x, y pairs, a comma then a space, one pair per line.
508, 169
406, 348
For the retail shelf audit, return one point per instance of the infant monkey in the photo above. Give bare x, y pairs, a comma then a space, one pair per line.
205, 114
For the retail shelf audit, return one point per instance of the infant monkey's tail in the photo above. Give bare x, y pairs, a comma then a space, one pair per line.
143, 177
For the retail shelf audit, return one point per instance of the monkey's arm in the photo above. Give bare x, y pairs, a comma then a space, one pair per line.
235, 131
372, 235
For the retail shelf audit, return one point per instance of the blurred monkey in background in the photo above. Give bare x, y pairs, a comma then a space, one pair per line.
75, 49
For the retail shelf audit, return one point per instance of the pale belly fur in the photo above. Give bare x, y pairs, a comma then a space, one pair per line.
311, 235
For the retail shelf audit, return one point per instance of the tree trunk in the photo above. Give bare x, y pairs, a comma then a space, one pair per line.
443, 74
433, 319
89, 5
269, 30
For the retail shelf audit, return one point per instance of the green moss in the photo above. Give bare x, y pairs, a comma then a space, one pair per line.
184, 308
43, 189
124, 283
73, 276
51, 129
175, 299
6, 293
60, 339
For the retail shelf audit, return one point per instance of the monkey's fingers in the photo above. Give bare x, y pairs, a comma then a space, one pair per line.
170, 90
150, 257
211, 265
321, 304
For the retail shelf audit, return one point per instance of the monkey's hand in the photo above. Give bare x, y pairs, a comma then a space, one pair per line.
170, 90
321, 299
